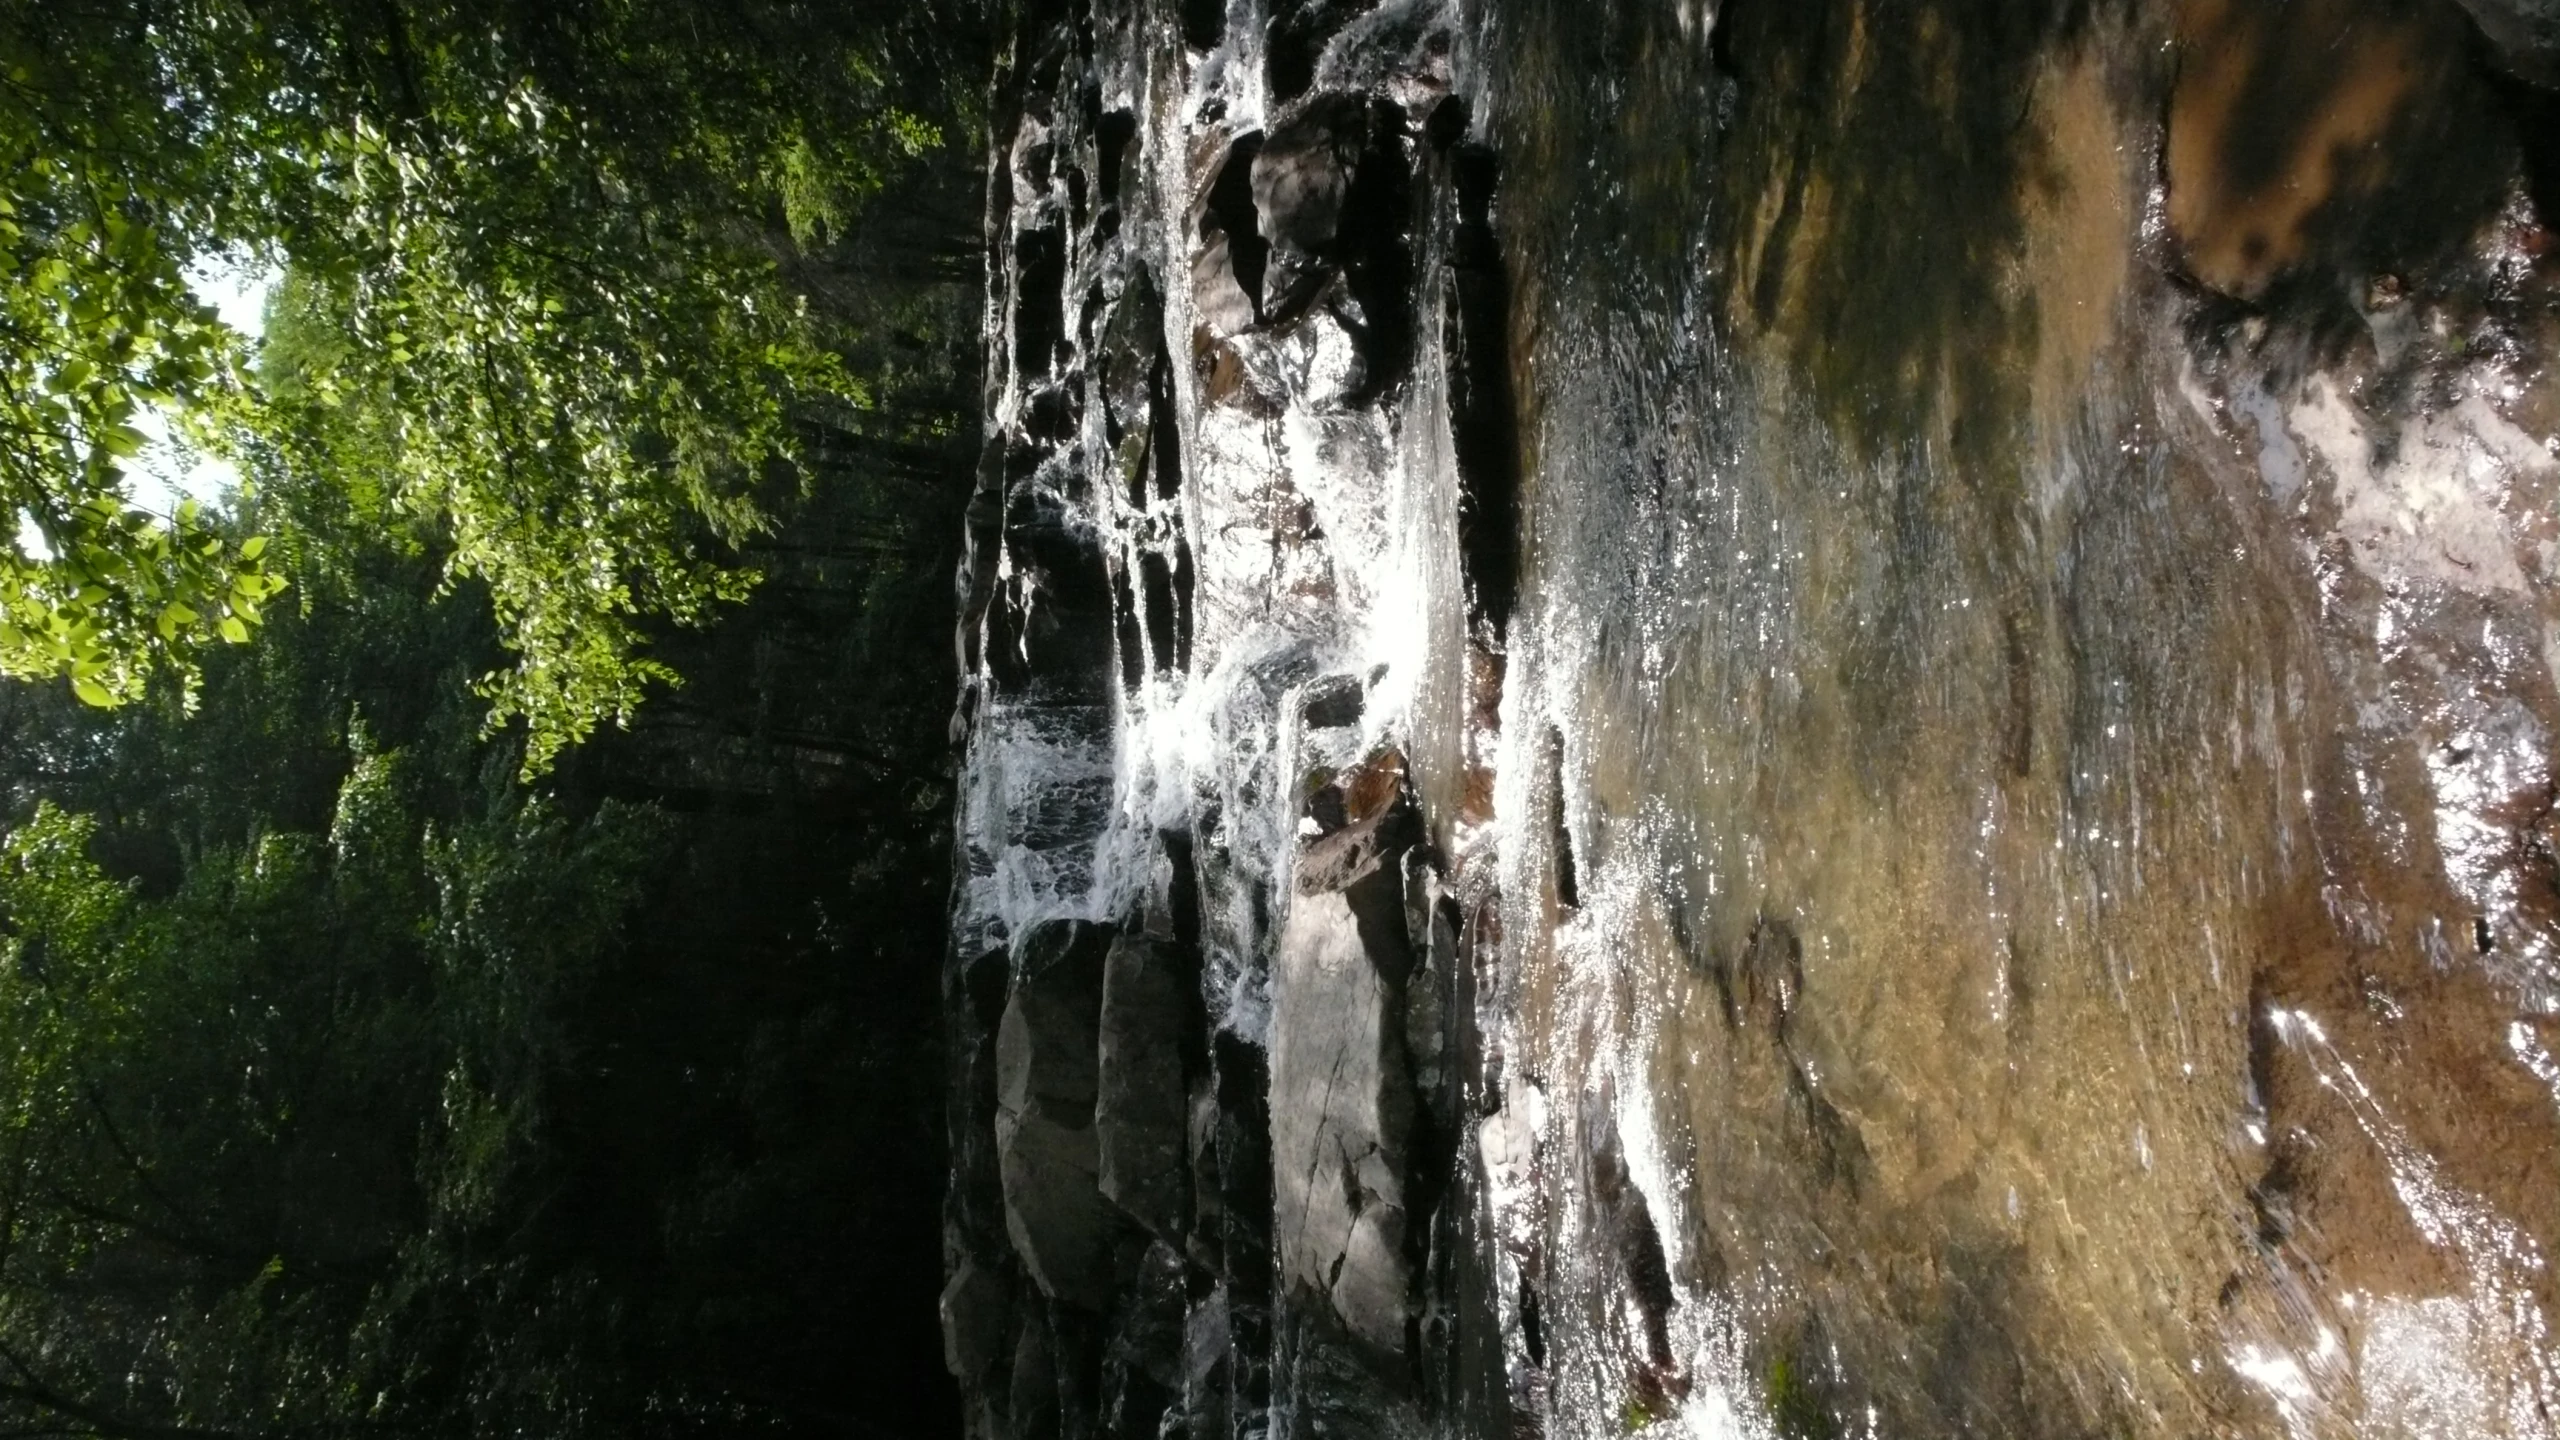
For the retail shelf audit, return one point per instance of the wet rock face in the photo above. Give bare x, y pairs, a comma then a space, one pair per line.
1210, 1010
1341, 1079
1800, 719
2525, 35
1150, 1026
977, 1319
1047, 1084
2004, 857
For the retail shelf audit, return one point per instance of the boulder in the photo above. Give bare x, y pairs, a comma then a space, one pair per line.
1227, 259
1208, 1363
1047, 1077
974, 1203
1208, 1227
977, 1316
1147, 1336
1304, 170
1341, 1084
1303, 179
1143, 1364
1032, 1406
1149, 1005
1241, 1083
1333, 702
1132, 346
1218, 295
1241, 1140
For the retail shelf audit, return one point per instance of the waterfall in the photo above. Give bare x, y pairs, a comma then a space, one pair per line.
1783, 720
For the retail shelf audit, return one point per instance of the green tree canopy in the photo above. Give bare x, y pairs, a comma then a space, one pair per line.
532, 308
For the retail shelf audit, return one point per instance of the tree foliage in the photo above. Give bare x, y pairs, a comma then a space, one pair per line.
263, 1134
365, 1075
360, 1087
97, 323
533, 311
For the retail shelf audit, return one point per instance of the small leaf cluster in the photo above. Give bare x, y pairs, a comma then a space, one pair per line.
97, 327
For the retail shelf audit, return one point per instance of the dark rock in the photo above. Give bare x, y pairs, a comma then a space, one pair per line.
1432, 1021
1032, 1411
1075, 1346
1242, 1146
1206, 1230
1054, 414
1232, 249
1341, 1084
1163, 610
1296, 39
1047, 1078
1376, 824
1625, 1217
1476, 336
1302, 179
1049, 630
1207, 1363
1134, 1407
1332, 190
1133, 645
2524, 33
1111, 145
1340, 1386
1400, 49
974, 581
1245, 1213
1334, 701
1040, 274
1432, 923
1149, 1017
977, 1319
1204, 23
1131, 348
2265, 100
1149, 1336
974, 1202
1303, 172
1218, 296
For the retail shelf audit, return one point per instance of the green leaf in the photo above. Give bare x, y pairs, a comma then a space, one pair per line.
234, 631
93, 693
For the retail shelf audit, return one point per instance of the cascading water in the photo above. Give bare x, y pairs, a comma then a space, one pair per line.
1807, 720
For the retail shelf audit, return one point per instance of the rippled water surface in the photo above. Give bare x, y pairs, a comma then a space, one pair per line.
2027, 784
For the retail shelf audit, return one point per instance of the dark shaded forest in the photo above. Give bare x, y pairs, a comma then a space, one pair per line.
402, 1046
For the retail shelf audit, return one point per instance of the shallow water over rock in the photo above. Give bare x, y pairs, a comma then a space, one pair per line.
1803, 720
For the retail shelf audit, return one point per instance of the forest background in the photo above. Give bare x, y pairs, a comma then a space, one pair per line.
470, 893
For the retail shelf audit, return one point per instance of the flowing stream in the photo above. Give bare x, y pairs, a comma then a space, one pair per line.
1814, 720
